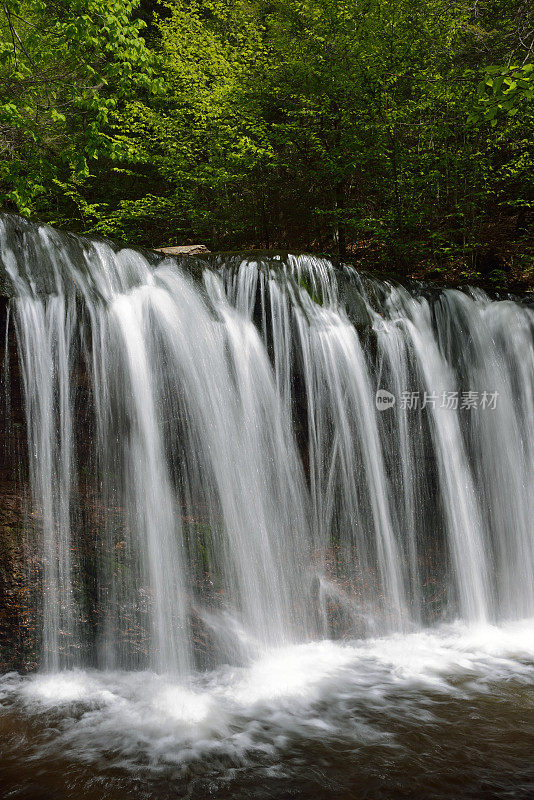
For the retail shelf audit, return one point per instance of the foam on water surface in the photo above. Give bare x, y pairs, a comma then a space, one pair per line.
313, 690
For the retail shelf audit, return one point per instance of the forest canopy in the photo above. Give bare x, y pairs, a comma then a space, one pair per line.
396, 131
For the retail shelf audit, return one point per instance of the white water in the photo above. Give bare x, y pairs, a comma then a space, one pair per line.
316, 692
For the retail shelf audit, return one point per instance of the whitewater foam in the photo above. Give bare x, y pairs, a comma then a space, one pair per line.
314, 690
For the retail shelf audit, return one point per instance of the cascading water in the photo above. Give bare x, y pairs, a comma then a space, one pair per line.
230, 458
184, 430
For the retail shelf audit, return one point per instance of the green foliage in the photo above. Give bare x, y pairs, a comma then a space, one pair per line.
318, 124
503, 90
66, 69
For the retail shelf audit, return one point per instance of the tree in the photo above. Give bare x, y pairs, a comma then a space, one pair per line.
66, 68
317, 124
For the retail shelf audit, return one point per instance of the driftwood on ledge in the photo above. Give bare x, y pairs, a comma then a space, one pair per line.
184, 250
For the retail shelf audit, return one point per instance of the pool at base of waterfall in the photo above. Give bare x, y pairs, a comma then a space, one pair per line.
440, 713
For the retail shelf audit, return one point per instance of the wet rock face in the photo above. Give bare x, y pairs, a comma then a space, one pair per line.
17, 622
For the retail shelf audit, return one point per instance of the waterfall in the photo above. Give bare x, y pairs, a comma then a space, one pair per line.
226, 455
